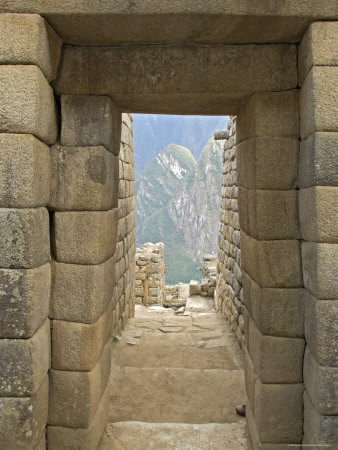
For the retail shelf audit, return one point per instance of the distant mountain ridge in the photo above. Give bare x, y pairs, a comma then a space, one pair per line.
153, 132
177, 202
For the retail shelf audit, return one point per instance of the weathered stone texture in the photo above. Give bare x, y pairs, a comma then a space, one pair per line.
23, 419
77, 346
268, 215
149, 274
102, 22
24, 237
179, 82
318, 219
268, 162
318, 101
85, 237
83, 438
83, 178
318, 162
276, 312
27, 103
320, 262
319, 47
319, 429
272, 264
287, 367
75, 396
321, 385
81, 292
24, 171
229, 292
272, 307
321, 317
24, 300
270, 114
90, 120
24, 363
318, 213
28, 39
284, 423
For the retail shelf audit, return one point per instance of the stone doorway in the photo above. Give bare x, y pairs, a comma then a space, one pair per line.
286, 208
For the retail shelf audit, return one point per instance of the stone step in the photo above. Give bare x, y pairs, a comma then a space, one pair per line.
174, 436
175, 395
177, 350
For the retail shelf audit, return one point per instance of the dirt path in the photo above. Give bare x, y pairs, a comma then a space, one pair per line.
175, 381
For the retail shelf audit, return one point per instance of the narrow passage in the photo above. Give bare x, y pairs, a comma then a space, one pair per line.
175, 382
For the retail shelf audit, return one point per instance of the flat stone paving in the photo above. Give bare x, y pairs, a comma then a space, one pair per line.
175, 382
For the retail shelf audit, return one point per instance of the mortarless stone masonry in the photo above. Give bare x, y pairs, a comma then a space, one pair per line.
229, 292
149, 277
67, 224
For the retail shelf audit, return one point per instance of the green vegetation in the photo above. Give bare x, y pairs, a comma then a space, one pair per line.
160, 228
171, 184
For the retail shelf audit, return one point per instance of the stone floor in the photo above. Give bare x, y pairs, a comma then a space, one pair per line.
175, 382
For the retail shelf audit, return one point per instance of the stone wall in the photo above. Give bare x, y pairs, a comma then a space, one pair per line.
124, 291
149, 276
29, 53
318, 213
229, 294
267, 142
61, 216
208, 284
176, 295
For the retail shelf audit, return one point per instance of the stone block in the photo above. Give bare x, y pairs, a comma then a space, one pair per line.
24, 237
318, 101
276, 312
90, 120
318, 163
77, 346
279, 412
274, 264
85, 237
74, 396
24, 301
318, 47
276, 359
27, 103
81, 438
321, 384
28, 39
24, 363
42, 445
24, 171
318, 430
226, 82
254, 442
321, 318
320, 262
268, 163
247, 291
83, 178
318, 213
250, 378
23, 419
194, 288
269, 114
81, 293
269, 214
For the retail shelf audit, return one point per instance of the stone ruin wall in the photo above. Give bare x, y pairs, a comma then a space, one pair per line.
229, 293
58, 225
149, 276
67, 243
124, 291
209, 279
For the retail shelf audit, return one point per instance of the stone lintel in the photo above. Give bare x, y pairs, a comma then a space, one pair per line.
180, 79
